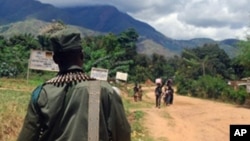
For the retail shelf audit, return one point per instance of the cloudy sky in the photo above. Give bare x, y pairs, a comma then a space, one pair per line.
183, 19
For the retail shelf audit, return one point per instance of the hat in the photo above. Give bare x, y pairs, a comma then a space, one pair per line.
66, 43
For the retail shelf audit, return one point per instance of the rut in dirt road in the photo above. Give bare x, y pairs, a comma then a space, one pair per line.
191, 119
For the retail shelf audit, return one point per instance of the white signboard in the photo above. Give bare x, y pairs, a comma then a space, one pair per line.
248, 88
121, 76
42, 60
99, 73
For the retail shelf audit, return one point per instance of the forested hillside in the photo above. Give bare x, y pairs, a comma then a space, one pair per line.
101, 19
202, 71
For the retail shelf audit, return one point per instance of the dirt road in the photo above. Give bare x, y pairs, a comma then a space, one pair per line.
192, 119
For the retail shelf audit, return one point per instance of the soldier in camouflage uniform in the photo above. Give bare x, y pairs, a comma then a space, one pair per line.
59, 108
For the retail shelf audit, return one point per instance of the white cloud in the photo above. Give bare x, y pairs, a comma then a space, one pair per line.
212, 13
182, 19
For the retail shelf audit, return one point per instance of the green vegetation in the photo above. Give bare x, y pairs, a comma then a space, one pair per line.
15, 95
136, 119
113, 52
203, 71
206, 68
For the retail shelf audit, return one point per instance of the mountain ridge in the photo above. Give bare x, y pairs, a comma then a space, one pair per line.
98, 18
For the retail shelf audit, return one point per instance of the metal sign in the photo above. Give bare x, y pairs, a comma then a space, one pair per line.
99, 73
42, 60
121, 76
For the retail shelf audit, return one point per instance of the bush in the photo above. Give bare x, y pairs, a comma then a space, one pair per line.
212, 88
183, 85
7, 70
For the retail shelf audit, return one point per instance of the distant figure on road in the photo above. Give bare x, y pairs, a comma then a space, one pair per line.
169, 95
136, 92
169, 82
165, 93
140, 93
158, 92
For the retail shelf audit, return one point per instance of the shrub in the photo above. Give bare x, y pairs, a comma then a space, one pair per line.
7, 70
212, 88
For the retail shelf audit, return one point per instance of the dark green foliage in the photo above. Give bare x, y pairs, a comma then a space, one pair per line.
14, 54
203, 72
208, 87
7, 70
199, 72
208, 59
211, 88
112, 52
44, 42
238, 96
242, 61
105, 52
183, 84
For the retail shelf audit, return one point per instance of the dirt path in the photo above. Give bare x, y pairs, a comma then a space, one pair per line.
192, 119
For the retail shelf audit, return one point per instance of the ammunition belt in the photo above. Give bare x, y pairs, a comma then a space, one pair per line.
69, 77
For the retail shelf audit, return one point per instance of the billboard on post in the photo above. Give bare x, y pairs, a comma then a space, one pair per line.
121, 76
99, 73
42, 60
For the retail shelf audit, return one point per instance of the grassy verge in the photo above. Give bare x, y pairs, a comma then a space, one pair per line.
139, 132
136, 117
12, 111
15, 95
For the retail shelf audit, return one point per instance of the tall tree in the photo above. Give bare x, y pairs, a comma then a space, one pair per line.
194, 61
107, 51
244, 56
128, 40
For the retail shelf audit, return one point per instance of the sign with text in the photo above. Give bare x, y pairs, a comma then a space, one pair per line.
42, 60
121, 76
99, 73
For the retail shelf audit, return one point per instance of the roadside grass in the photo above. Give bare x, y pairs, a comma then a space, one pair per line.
139, 132
14, 98
136, 118
15, 95
12, 111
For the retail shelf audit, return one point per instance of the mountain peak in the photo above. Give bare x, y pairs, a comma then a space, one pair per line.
98, 18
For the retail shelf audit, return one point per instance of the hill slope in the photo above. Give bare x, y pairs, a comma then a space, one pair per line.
101, 18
